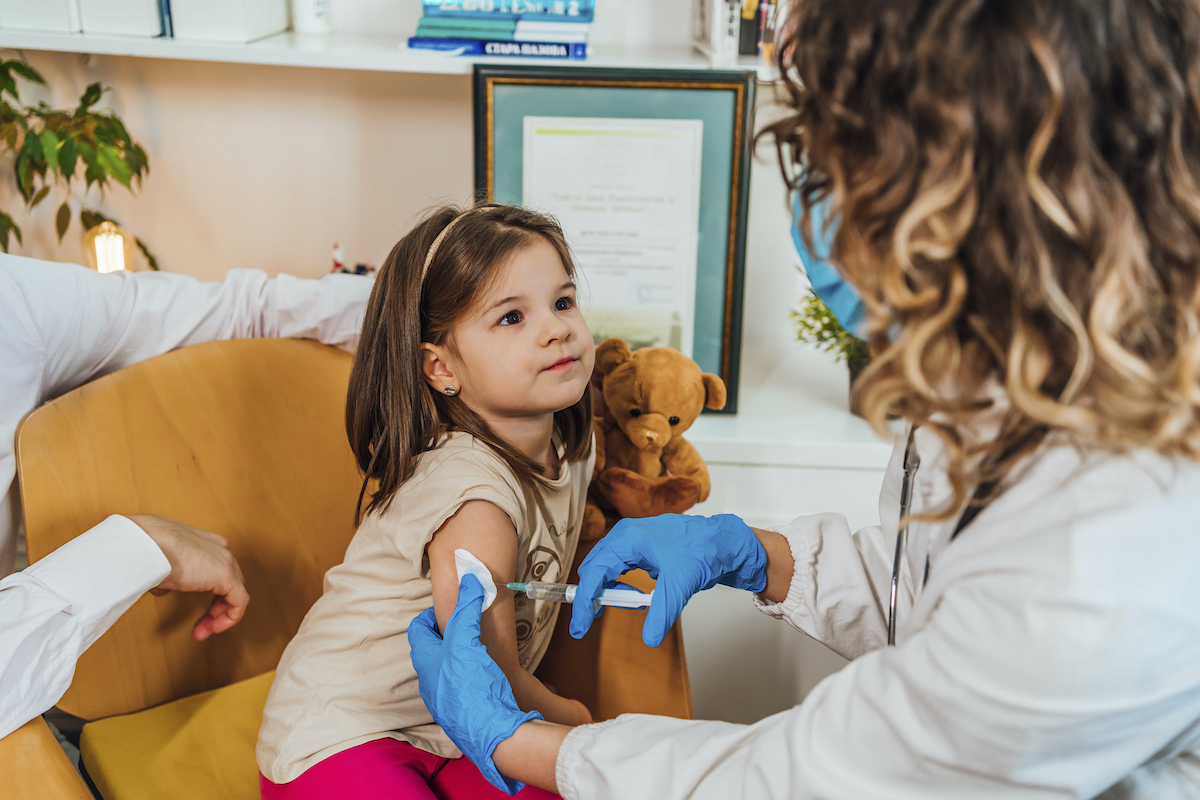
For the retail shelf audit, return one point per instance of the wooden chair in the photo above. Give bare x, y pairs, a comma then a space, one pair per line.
244, 438
38, 767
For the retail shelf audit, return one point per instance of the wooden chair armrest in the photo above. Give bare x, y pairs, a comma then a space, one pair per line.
35, 766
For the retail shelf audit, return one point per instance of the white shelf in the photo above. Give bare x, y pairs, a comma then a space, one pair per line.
381, 53
791, 413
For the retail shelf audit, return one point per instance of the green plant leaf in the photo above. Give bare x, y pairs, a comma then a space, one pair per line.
110, 159
27, 72
25, 173
40, 196
143, 158
7, 82
89, 99
118, 128
32, 148
91, 219
150, 259
68, 158
8, 226
94, 172
133, 157
62, 220
816, 325
50, 150
101, 131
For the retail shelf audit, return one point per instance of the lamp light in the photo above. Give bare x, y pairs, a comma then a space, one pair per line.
108, 248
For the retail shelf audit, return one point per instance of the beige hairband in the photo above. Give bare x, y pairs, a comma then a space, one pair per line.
433, 248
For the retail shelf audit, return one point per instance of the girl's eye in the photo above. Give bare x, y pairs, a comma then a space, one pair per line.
511, 318
564, 303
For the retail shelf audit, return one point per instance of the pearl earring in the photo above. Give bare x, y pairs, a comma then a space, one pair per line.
450, 390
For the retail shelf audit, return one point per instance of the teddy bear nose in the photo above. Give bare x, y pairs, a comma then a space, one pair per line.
646, 431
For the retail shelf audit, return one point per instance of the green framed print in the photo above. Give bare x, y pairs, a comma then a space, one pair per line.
648, 171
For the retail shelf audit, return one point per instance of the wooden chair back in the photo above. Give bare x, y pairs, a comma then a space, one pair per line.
244, 438
36, 768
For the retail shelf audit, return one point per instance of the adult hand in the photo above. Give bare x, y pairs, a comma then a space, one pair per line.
685, 554
462, 686
200, 562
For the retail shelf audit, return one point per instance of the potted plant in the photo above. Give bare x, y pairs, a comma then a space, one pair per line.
48, 146
815, 325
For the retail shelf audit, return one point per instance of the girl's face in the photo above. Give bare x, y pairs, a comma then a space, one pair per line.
527, 351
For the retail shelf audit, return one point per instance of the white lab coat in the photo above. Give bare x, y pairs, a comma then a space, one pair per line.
62, 325
1053, 653
53, 610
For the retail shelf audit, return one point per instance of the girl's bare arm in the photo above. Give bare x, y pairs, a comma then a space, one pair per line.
487, 532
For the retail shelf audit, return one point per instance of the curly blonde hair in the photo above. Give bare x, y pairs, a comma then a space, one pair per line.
1016, 190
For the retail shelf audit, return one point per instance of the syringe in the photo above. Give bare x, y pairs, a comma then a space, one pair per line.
565, 593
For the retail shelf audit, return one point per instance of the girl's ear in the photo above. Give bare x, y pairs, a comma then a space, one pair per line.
436, 368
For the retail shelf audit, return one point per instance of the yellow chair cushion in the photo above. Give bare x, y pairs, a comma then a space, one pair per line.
196, 747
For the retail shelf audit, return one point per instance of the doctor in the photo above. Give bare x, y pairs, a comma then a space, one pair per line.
1015, 194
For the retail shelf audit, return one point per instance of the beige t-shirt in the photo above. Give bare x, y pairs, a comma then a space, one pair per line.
346, 678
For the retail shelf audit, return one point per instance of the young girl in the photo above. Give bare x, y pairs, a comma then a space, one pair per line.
469, 413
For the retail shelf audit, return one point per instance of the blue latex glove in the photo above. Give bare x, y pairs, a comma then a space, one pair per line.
686, 554
839, 297
462, 686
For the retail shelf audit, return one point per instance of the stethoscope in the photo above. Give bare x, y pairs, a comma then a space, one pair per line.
983, 494
911, 462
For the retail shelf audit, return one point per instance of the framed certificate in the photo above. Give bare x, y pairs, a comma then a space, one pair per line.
648, 173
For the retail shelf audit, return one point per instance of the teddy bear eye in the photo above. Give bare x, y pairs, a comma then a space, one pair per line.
635, 412
674, 420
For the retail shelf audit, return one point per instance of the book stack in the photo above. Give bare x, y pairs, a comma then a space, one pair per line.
758, 16
726, 29
555, 29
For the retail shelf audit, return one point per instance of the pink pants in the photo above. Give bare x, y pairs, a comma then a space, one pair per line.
386, 769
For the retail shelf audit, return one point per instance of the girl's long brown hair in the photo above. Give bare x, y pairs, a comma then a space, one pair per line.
1016, 183
392, 414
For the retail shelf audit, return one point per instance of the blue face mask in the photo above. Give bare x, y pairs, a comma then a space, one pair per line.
840, 297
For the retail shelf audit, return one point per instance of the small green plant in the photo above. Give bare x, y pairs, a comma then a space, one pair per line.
817, 326
49, 146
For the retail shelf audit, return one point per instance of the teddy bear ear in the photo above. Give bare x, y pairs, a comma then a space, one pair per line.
611, 354
714, 391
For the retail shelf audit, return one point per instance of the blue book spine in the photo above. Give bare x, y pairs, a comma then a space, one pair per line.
426, 31
164, 17
558, 10
563, 51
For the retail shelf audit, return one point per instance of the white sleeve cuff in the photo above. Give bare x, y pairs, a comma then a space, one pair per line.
329, 310
103, 569
569, 757
802, 554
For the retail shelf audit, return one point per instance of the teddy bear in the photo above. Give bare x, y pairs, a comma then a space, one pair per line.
644, 467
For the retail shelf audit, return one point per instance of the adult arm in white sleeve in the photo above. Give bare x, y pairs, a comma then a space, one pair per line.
1016, 689
841, 580
91, 324
51, 612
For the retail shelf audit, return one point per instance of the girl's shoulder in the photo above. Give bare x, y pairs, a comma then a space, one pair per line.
457, 470
461, 459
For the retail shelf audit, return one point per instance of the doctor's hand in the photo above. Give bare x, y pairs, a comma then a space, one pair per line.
462, 686
200, 562
685, 554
